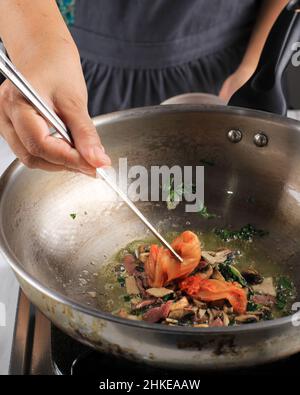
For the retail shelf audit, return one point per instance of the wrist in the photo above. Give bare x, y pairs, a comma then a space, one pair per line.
246, 69
41, 50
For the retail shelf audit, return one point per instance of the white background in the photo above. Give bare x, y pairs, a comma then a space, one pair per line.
8, 284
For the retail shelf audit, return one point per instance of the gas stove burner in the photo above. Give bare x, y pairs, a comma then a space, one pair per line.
40, 348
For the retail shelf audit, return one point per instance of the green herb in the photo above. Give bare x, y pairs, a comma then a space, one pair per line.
127, 298
246, 233
175, 194
167, 297
231, 273
121, 281
73, 215
285, 293
251, 306
205, 214
142, 311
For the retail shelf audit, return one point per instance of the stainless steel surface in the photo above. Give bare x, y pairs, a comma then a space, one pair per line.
31, 350
49, 251
137, 212
260, 139
195, 98
235, 135
19, 81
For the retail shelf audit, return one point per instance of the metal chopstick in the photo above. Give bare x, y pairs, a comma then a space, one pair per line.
17, 79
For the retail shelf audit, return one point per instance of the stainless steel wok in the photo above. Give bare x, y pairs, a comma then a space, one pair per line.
51, 253
54, 257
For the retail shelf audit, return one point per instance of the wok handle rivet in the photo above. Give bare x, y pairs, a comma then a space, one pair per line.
235, 135
260, 139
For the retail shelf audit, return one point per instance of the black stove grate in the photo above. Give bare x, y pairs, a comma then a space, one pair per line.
40, 348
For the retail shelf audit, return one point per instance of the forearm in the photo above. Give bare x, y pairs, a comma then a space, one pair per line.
30, 25
268, 14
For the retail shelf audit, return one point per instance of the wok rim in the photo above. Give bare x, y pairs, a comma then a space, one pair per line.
57, 296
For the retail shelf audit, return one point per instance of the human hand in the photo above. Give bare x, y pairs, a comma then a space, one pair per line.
234, 82
59, 80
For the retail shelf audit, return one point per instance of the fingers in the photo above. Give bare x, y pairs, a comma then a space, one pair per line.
28, 134
85, 136
33, 132
19, 150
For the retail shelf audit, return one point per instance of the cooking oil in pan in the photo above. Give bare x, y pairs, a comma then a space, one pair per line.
111, 293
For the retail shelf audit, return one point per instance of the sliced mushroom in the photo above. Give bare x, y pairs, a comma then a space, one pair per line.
131, 286
198, 303
180, 313
266, 287
218, 304
123, 313
171, 321
207, 273
225, 318
180, 304
215, 258
143, 248
252, 276
227, 309
217, 275
246, 318
222, 255
159, 292
211, 316
201, 314
143, 257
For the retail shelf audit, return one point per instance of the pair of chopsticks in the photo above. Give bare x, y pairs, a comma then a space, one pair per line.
17, 79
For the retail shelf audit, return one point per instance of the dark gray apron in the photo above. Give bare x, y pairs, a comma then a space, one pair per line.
141, 52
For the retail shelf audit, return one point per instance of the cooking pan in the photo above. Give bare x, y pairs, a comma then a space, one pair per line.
55, 257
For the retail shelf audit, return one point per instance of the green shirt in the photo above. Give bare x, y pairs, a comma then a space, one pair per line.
67, 8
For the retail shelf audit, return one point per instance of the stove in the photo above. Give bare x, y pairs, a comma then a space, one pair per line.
39, 348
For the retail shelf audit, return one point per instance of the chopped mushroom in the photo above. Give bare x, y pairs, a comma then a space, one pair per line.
252, 276
143, 257
201, 314
246, 318
266, 287
200, 325
217, 275
214, 292
159, 292
180, 304
171, 321
200, 304
131, 286
226, 320
215, 258
207, 273
180, 313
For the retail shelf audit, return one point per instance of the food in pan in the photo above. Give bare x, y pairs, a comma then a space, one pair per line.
208, 289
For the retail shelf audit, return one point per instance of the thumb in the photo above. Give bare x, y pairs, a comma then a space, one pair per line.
86, 138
